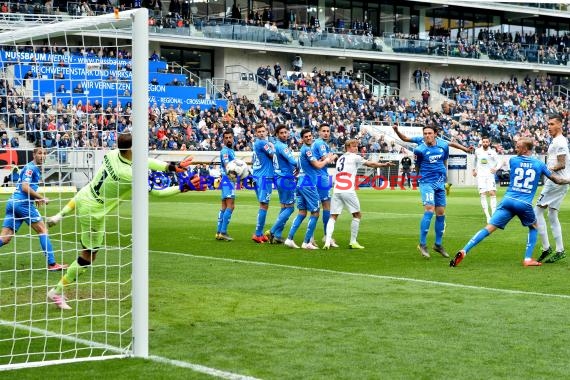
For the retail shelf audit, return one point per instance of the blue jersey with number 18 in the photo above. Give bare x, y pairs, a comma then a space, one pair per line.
525, 175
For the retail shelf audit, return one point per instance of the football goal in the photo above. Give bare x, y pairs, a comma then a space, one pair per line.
72, 86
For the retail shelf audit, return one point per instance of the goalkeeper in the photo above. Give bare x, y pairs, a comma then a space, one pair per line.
110, 185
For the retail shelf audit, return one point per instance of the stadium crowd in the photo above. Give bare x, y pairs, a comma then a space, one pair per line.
505, 111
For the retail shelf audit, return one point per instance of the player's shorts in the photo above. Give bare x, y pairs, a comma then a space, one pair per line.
263, 188
19, 211
228, 189
552, 195
433, 194
324, 186
348, 199
486, 183
91, 217
307, 198
286, 189
508, 209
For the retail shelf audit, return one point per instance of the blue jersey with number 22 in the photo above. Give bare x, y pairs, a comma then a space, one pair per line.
525, 175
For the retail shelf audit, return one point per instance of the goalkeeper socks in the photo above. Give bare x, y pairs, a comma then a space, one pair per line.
261, 215
295, 226
226, 220
530, 243
220, 220
326, 216
47, 248
354, 227
476, 239
424, 226
439, 227
311, 227
284, 216
76, 269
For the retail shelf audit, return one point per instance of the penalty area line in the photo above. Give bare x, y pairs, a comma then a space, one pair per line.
367, 275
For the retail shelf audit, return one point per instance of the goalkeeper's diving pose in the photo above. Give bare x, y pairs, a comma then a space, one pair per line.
110, 185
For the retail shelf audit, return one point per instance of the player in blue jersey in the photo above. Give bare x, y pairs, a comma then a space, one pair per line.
433, 193
525, 173
227, 187
431, 159
307, 196
285, 166
262, 164
321, 149
21, 207
419, 140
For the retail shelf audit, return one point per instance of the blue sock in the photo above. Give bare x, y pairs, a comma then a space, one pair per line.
424, 226
326, 216
226, 220
531, 242
220, 219
1, 242
439, 227
261, 215
47, 248
295, 226
276, 224
476, 239
311, 228
277, 229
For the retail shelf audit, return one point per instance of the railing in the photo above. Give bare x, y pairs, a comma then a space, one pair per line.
182, 70
377, 87
215, 88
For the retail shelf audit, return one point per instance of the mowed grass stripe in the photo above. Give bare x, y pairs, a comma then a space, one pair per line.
365, 275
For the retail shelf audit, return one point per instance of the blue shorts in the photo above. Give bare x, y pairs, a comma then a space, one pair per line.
324, 185
308, 198
433, 194
19, 211
508, 209
286, 189
263, 188
228, 190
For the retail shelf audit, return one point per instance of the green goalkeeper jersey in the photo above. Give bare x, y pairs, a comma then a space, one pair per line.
112, 183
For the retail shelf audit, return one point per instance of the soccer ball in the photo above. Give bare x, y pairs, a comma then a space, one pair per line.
239, 167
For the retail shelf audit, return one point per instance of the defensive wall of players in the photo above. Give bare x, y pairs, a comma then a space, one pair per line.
81, 164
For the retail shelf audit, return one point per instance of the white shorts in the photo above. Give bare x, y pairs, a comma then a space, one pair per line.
486, 183
348, 199
552, 195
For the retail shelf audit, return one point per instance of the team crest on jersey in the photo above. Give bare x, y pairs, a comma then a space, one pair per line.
286, 150
29, 172
225, 156
266, 147
309, 153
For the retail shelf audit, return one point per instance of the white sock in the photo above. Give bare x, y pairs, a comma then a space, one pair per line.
493, 204
354, 227
485, 205
556, 229
330, 230
541, 223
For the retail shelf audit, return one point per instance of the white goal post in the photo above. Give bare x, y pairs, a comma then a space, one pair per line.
109, 316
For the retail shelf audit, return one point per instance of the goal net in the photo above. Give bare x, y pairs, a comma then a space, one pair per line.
72, 86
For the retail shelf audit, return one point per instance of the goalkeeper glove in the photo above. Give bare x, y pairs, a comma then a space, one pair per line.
180, 167
187, 183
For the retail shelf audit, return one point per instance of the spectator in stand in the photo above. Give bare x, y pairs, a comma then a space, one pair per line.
427, 78
154, 56
417, 75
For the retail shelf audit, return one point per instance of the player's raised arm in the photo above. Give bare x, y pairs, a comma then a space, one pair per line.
466, 149
319, 164
558, 179
374, 164
400, 135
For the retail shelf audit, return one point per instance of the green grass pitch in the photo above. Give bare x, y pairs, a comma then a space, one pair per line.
384, 312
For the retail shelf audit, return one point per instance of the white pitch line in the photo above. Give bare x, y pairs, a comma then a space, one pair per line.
117, 350
367, 275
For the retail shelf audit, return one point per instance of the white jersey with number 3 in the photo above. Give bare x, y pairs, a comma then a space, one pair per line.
345, 176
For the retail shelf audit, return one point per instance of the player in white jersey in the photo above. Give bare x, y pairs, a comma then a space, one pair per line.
485, 165
552, 194
344, 191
